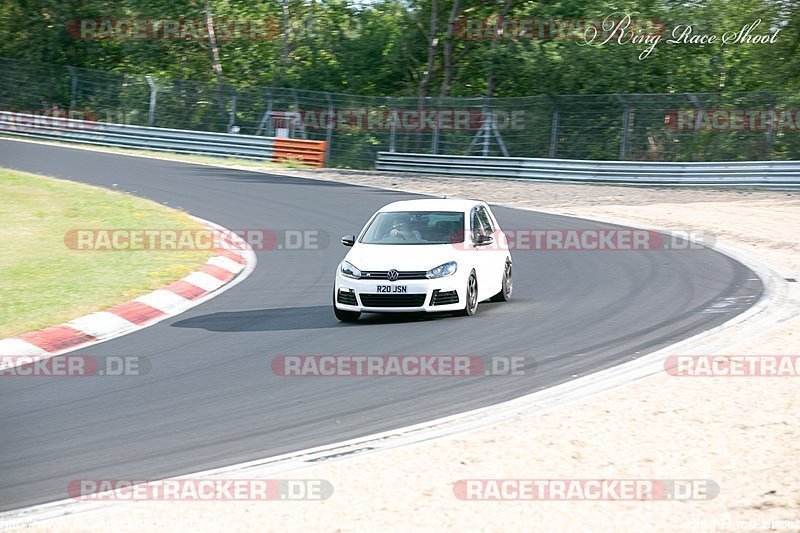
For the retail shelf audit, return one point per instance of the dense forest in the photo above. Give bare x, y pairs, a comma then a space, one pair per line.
414, 47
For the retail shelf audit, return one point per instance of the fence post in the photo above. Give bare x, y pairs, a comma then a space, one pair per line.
436, 126
151, 114
487, 112
73, 102
623, 145
393, 127
266, 119
498, 137
296, 101
771, 126
329, 128
697, 121
554, 128
232, 116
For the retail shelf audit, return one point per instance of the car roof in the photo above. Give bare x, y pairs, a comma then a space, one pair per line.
433, 204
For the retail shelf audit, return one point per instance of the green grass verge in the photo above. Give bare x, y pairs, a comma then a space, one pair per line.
43, 282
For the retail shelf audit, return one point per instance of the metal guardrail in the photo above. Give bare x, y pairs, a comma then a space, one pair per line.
162, 139
753, 174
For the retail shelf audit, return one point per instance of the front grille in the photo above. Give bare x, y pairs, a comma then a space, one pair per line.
392, 300
382, 274
346, 297
444, 298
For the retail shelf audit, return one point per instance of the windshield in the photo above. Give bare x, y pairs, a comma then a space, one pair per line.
415, 227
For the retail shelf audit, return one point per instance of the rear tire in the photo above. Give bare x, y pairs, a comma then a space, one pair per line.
508, 285
342, 315
471, 304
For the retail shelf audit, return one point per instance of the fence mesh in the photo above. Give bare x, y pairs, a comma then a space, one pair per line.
636, 127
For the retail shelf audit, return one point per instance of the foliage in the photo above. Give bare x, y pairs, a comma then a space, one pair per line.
386, 47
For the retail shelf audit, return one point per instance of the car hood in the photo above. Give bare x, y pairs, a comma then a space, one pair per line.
401, 256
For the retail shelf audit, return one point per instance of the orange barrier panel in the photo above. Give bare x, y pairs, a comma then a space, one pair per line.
311, 153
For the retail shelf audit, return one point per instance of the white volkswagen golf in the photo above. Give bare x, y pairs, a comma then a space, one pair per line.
424, 255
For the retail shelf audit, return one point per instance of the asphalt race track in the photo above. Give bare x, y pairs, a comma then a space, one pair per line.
211, 398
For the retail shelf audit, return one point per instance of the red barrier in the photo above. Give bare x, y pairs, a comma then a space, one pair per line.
310, 153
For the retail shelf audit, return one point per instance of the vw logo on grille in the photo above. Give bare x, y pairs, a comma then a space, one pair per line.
392, 275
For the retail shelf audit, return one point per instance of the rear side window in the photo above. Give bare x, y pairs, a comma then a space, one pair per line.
486, 220
478, 225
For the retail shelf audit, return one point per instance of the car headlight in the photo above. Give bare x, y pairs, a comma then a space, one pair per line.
349, 271
447, 269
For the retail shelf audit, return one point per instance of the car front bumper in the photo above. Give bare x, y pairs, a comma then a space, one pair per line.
425, 295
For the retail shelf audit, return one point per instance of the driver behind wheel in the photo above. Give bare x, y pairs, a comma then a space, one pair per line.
401, 228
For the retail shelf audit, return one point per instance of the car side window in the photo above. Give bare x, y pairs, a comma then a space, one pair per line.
477, 226
486, 220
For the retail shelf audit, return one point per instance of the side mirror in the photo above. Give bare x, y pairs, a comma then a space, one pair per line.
484, 240
349, 240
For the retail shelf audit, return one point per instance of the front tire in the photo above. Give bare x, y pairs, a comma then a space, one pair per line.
342, 315
471, 305
508, 285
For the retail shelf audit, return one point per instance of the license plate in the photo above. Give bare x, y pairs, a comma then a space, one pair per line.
393, 288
